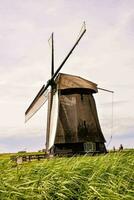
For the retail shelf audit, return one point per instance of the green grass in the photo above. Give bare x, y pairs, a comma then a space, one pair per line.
109, 177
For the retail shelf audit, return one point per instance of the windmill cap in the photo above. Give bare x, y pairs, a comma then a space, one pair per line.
65, 81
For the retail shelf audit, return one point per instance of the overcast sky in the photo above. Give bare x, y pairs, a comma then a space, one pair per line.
105, 55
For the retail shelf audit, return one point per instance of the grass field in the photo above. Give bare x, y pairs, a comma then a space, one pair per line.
109, 177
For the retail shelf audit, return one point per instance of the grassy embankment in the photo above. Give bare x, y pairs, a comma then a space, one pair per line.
108, 177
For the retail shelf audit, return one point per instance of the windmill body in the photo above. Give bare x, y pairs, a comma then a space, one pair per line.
74, 125
72, 121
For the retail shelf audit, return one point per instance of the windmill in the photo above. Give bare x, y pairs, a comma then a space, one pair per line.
72, 121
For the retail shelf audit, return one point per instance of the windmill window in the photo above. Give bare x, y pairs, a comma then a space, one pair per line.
89, 147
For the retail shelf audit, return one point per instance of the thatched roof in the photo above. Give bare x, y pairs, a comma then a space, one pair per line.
67, 81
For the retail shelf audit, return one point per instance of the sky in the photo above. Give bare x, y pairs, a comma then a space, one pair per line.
105, 55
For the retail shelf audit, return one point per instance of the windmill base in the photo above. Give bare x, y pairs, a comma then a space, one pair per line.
78, 148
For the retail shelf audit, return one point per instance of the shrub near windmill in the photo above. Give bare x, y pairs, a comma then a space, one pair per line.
72, 121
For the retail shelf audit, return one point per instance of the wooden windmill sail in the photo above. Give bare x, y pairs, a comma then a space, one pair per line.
72, 122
